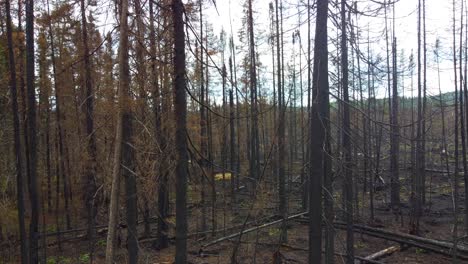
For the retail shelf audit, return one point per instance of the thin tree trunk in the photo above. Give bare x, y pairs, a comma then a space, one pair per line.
254, 144
124, 85
318, 115
180, 111
162, 132
424, 107
17, 141
61, 173
456, 154
232, 143
395, 142
369, 126
203, 123
281, 128
90, 181
347, 165
128, 149
417, 195
33, 188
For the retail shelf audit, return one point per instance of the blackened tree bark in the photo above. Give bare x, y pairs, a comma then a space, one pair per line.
462, 113
128, 156
180, 111
16, 132
44, 104
61, 173
203, 123
254, 144
456, 154
90, 170
347, 162
161, 241
232, 143
31, 92
281, 129
418, 179
424, 108
395, 142
318, 114
141, 112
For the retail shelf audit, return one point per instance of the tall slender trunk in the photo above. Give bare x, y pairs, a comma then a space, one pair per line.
203, 123
180, 111
31, 114
128, 143
281, 128
254, 144
317, 118
303, 128
232, 143
90, 181
461, 111
347, 164
369, 126
124, 86
424, 108
456, 154
141, 112
418, 181
395, 142
61, 172
163, 104
17, 141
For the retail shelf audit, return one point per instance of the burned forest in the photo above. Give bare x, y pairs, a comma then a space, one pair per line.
233, 131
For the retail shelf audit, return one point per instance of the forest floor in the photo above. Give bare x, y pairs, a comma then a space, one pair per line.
261, 246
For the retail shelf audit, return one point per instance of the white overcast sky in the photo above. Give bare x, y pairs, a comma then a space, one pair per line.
438, 25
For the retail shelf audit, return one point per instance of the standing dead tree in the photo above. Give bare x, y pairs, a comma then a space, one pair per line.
318, 114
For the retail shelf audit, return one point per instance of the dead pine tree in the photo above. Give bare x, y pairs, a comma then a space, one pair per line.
462, 113
31, 119
281, 129
162, 130
17, 141
395, 143
254, 161
456, 154
416, 194
180, 112
347, 162
90, 177
124, 86
232, 145
320, 90
59, 142
203, 125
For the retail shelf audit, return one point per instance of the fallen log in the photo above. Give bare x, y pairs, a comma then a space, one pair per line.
441, 247
436, 246
221, 239
381, 253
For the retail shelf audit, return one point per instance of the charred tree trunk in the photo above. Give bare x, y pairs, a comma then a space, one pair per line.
31, 114
347, 162
318, 115
395, 142
17, 141
281, 128
254, 143
203, 123
90, 181
180, 111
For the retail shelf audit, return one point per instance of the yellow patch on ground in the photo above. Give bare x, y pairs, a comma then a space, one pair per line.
220, 177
